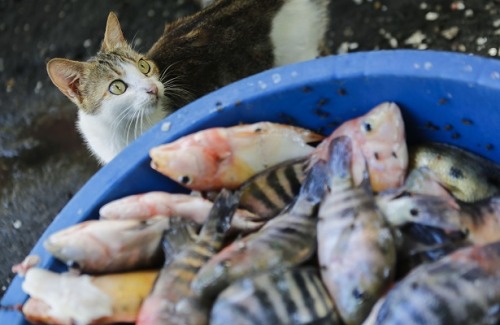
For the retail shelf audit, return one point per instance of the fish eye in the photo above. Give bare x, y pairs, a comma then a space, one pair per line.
185, 179
117, 87
367, 126
144, 66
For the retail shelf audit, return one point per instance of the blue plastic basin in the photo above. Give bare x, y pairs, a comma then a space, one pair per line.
447, 97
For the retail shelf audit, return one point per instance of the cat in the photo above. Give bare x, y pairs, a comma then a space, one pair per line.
121, 93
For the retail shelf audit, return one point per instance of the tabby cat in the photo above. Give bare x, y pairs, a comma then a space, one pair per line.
121, 93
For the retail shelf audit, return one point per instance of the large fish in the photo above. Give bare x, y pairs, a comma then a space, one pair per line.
462, 288
226, 157
148, 205
67, 298
356, 248
285, 241
171, 301
469, 177
288, 297
105, 246
379, 144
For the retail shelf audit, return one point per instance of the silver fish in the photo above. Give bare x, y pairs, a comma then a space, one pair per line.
356, 248
462, 288
288, 297
285, 241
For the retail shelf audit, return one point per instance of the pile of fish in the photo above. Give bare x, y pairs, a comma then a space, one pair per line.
286, 226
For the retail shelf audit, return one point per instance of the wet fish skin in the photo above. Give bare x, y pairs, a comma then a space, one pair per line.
461, 288
479, 221
356, 248
292, 297
379, 143
218, 158
98, 246
285, 241
469, 177
267, 193
147, 205
171, 300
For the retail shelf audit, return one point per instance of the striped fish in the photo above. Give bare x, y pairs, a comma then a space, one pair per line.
266, 194
171, 300
285, 241
461, 288
356, 249
292, 297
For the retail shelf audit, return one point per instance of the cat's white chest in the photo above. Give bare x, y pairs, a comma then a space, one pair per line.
106, 136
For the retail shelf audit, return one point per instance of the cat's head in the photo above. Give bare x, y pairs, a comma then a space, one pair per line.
116, 80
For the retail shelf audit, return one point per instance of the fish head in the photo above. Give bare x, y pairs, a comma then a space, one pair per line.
379, 143
191, 167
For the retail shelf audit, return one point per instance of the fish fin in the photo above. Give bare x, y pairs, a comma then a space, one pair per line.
314, 186
180, 234
340, 157
221, 214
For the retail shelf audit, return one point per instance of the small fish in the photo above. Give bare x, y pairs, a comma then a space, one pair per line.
267, 193
98, 246
151, 204
171, 301
67, 298
226, 157
478, 221
461, 288
285, 241
469, 177
356, 248
288, 297
379, 144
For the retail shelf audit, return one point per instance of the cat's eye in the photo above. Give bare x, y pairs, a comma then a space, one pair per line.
144, 66
117, 87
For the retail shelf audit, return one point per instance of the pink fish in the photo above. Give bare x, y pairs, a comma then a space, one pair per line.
378, 141
151, 204
226, 157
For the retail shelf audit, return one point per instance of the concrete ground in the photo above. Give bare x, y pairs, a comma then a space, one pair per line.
42, 159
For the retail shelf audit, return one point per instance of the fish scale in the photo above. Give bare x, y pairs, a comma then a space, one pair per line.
290, 296
356, 249
286, 240
461, 288
269, 192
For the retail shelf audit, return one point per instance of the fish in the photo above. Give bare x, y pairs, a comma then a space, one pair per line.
67, 298
172, 301
267, 193
356, 248
284, 241
108, 246
217, 158
292, 296
461, 288
379, 144
478, 221
469, 177
147, 205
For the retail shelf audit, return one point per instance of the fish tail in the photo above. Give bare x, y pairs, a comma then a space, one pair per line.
180, 234
221, 214
340, 157
314, 186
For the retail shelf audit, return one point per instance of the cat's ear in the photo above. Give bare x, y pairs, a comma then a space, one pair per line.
66, 75
113, 37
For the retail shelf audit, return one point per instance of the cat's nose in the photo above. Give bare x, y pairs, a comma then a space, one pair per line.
152, 89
